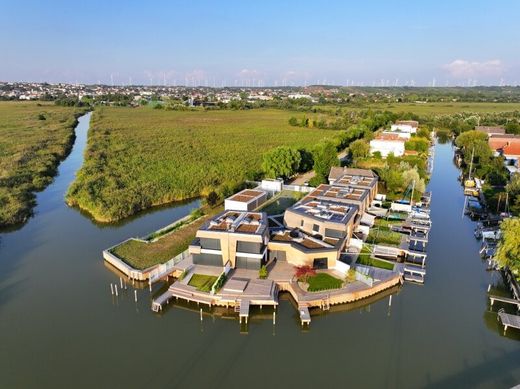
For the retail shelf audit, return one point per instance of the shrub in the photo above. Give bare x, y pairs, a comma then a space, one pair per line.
262, 273
304, 272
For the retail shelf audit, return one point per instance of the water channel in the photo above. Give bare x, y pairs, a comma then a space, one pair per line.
61, 327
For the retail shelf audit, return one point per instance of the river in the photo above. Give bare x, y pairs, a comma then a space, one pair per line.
60, 326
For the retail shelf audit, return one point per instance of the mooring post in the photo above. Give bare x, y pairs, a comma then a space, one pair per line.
489, 287
112, 289
116, 290
121, 282
135, 295
274, 317
390, 301
201, 314
150, 284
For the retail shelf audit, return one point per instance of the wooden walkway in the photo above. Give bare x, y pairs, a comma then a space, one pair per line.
305, 315
506, 300
244, 309
509, 320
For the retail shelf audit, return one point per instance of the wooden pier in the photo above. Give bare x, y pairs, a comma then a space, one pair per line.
506, 300
414, 274
305, 316
243, 310
508, 320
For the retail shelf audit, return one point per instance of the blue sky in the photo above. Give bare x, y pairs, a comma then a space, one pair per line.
261, 43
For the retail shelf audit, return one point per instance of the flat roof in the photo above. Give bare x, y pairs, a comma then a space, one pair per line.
325, 211
343, 193
238, 222
247, 195
300, 238
356, 181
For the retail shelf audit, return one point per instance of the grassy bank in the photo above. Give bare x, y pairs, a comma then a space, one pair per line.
141, 157
34, 138
142, 255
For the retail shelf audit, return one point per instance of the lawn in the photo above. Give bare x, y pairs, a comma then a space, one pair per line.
142, 255
141, 157
364, 259
376, 236
202, 282
323, 281
384, 224
34, 138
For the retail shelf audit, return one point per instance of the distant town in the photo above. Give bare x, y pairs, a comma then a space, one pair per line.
135, 95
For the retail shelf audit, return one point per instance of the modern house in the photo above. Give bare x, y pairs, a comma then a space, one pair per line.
387, 143
238, 237
355, 178
409, 126
315, 230
348, 194
316, 234
245, 200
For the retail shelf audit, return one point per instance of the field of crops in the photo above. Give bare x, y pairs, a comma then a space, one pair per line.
34, 137
437, 108
140, 157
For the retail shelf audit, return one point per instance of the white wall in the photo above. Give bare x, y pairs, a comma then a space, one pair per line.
386, 147
403, 128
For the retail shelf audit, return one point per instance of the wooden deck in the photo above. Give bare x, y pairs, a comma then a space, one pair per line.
244, 309
305, 315
506, 300
509, 320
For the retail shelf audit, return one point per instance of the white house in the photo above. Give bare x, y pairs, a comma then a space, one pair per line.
386, 144
409, 126
404, 135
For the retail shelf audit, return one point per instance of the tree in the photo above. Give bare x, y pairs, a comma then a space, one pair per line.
508, 253
359, 149
282, 161
512, 128
306, 161
325, 156
412, 176
293, 121
212, 198
513, 189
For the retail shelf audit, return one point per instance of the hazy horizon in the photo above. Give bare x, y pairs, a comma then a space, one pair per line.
266, 44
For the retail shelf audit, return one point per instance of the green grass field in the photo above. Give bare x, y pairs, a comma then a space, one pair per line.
323, 281
142, 255
34, 138
141, 157
202, 282
436, 108
364, 259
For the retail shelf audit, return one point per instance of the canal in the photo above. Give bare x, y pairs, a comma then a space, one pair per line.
60, 326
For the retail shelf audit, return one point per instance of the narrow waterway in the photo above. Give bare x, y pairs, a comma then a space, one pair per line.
59, 325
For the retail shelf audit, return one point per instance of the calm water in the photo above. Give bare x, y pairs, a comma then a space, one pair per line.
59, 325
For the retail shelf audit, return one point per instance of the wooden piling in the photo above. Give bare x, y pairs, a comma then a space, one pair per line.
112, 289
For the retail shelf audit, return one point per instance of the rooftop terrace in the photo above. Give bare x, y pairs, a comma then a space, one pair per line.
247, 195
239, 222
301, 239
339, 192
324, 210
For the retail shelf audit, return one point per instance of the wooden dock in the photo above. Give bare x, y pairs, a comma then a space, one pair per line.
158, 303
243, 310
506, 300
508, 320
305, 316
414, 274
